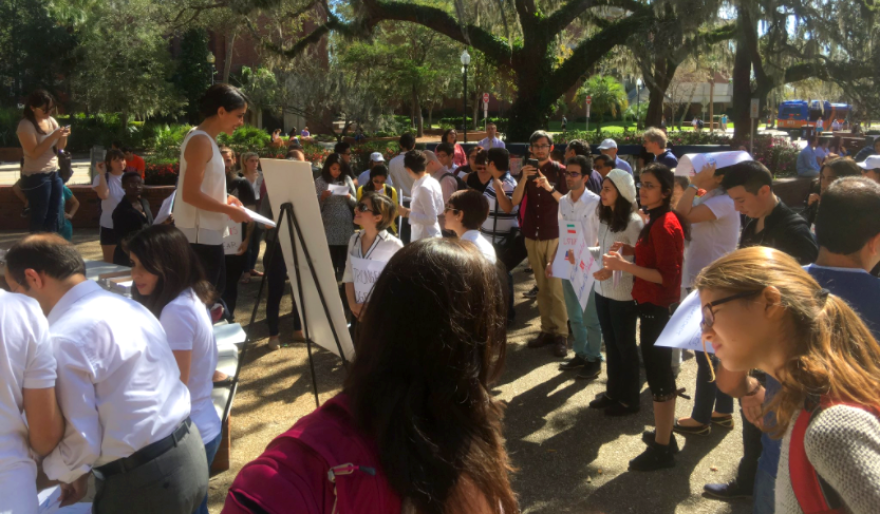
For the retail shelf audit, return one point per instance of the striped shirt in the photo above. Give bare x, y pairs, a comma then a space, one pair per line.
499, 223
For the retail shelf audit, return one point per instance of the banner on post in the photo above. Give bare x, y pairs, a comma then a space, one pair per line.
365, 273
683, 330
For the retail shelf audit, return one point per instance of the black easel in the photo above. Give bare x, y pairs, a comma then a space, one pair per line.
287, 217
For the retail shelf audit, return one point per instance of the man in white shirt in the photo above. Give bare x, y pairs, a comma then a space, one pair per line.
27, 392
448, 182
403, 182
118, 387
465, 213
427, 198
835, 125
491, 140
579, 205
609, 148
376, 158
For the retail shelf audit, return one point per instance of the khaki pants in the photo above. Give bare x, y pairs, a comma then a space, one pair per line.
551, 300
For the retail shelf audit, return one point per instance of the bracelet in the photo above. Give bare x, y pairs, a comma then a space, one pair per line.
693, 186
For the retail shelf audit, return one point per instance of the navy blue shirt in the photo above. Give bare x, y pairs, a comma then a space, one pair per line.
667, 159
862, 292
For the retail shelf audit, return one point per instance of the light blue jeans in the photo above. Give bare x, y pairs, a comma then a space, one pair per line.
584, 324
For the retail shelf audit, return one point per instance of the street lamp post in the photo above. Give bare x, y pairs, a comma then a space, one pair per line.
465, 61
638, 104
211, 60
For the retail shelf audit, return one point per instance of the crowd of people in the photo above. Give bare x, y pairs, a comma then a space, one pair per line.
788, 305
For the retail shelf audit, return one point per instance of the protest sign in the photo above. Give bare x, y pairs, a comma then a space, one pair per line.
338, 190
232, 240
570, 234
365, 273
683, 330
581, 276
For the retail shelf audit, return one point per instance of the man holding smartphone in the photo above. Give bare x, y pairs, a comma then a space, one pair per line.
542, 186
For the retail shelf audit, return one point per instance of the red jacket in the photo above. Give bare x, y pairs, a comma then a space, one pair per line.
662, 250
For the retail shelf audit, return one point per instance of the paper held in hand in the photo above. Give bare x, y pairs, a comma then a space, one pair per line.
691, 164
365, 273
338, 190
262, 220
165, 210
683, 330
569, 236
232, 239
581, 273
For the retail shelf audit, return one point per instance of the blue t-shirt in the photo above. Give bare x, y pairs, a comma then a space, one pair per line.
861, 291
666, 158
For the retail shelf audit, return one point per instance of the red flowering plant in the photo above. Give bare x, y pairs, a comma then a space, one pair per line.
161, 173
777, 153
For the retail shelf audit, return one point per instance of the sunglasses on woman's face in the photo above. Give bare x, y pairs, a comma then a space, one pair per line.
362, 207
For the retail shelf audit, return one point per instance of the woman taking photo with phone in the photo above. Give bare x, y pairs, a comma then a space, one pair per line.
203, 206
170, 283
40, 138
761, 310
659, 252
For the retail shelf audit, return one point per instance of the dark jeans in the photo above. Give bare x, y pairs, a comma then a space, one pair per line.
510, 254
43, 191
618, 322
658, 361
253, 251
276, 279
707, 396
338, 254
752, 447
213, 263
405, 227
234, 269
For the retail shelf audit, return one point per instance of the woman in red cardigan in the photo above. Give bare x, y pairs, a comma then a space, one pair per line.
659, 253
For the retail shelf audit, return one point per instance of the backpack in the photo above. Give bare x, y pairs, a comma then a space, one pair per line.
460, 184
813, 493
325, 444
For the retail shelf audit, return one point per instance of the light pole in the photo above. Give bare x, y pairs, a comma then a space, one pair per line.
211, 60
638, 104
465, 61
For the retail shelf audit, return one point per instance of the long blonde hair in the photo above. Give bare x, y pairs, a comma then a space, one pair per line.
835, 355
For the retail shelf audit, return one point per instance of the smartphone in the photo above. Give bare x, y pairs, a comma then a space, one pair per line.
534, 163
67, 127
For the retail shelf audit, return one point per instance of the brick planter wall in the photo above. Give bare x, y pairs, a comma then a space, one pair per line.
89, 211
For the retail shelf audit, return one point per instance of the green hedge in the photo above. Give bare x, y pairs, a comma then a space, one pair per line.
635, 138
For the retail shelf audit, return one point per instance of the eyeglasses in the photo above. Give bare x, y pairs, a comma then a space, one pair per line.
451, 208
572, 174
709, 312
540, 147
362, 207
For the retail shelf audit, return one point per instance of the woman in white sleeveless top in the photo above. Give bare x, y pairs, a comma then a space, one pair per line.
202, 207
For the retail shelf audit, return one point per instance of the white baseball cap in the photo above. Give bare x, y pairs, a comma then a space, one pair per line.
871, 163
377, 157
608, 144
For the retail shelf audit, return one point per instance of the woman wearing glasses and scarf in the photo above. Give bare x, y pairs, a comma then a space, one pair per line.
374, 213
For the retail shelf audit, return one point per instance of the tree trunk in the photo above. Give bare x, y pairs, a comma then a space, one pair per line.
227, 61
431, 115
742, 92
417, 114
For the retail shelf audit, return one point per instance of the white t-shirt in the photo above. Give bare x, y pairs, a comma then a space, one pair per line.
114, 183
711, 240
26, 362
188, 325
484, 246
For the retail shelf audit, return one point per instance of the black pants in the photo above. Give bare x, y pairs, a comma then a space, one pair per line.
276, 279
618, 322
234, 269
658, 361
752, 448
510, 254
338, 254
213, 263
405, 227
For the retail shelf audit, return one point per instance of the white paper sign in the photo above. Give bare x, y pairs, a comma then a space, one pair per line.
262, 220
683, 330
690, 164
165, 209
232, 240
569, 236
338, 190
581, 277
365, 273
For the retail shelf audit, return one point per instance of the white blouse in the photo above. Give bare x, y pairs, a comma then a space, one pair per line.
383, 248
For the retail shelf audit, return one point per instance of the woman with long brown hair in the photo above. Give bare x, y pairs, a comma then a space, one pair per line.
416, 429
762, 310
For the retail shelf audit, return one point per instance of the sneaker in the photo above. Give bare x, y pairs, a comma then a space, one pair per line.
602, 401
653, 458
727, 491
618, 410
560, 346
573, 363
531, 293
543, 339
274, 343
649, 438
591, 371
